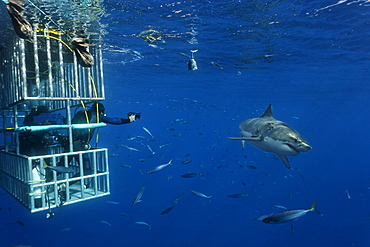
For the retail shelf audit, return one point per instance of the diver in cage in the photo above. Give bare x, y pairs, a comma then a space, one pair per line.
82, 137
38, 142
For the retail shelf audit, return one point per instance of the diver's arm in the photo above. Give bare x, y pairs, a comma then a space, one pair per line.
113, 120
131, 118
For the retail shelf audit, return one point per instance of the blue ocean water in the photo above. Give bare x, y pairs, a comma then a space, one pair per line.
308, 58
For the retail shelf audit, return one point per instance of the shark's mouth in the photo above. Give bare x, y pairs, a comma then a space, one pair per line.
294, 149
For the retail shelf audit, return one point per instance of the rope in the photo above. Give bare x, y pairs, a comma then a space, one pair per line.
61, 41
42, 12
37, 193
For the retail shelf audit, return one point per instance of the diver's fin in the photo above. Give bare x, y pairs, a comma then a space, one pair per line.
285, 160
268, 111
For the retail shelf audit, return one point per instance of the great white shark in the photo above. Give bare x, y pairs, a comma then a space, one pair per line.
274, 136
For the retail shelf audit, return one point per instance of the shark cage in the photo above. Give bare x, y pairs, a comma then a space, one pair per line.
50, 66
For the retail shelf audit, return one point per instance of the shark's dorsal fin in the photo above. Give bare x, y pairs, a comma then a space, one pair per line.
268, 111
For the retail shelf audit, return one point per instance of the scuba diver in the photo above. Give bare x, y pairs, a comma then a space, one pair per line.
82, 137
38, 142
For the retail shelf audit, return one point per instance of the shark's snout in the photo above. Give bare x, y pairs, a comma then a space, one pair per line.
304, 147
299, 147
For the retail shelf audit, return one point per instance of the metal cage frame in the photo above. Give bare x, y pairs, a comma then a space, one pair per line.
46, 72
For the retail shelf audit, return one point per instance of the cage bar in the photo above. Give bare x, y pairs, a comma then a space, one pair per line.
46, 72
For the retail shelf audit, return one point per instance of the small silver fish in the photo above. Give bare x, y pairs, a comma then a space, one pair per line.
347, 194
166, 211
155, 46
143, 223
66, 229
106, 222
20, 223
131, 138
160, 167
237, 195
112, 202
128, 166
217, 65
130, 148
185, 55
289, 215
148, 132
191, 174
138, 196
303, 178
150, 149
280, 207
165, 145
113, 155
200, 194
178, 198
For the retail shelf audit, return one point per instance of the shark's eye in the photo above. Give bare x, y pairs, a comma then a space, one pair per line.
267, 220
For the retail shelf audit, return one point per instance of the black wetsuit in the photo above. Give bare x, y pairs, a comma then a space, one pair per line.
82, 137
37, 143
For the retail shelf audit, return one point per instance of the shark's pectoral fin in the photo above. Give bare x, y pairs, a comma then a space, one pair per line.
252, 138
285, 160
